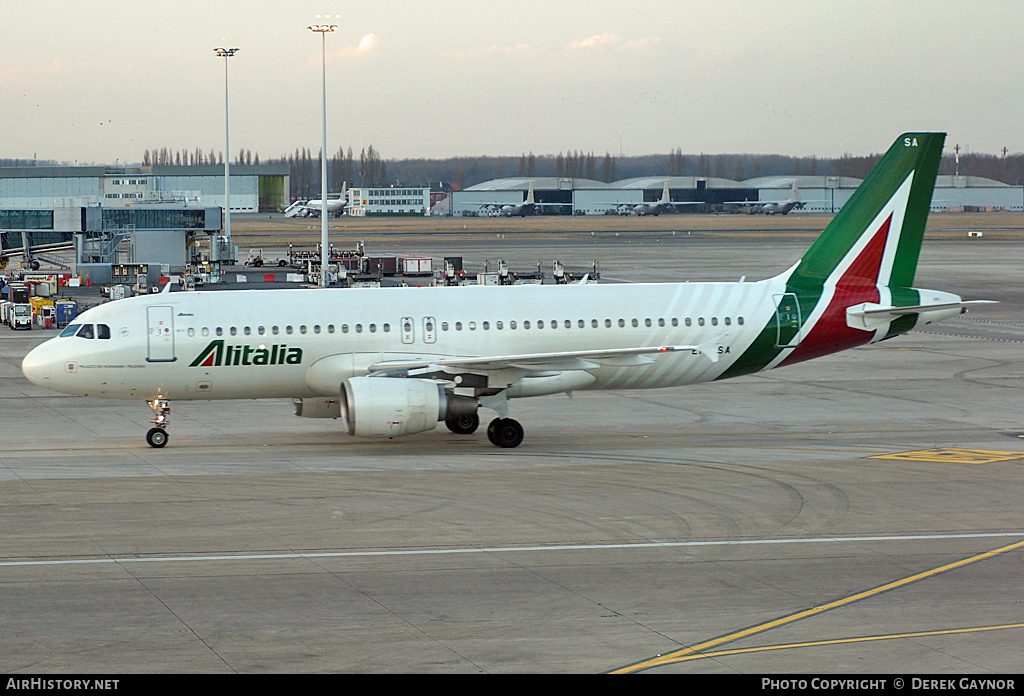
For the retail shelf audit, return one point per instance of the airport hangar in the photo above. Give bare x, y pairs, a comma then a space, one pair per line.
820, 194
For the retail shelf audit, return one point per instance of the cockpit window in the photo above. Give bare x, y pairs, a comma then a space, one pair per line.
71, 330
86, 331
102, 331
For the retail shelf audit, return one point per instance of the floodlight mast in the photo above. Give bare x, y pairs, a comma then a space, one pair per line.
323, 30
225, 53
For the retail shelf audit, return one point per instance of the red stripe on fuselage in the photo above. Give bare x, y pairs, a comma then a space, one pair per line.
858, 284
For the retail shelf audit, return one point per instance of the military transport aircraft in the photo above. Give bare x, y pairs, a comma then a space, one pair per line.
773, 207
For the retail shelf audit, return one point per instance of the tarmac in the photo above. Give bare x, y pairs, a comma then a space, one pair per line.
857, 514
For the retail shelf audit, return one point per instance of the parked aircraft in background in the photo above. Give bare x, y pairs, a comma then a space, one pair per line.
656, 208
773, 207
314, 207
392, 362
527, 207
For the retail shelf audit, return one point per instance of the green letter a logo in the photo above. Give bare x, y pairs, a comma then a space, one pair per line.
211, 356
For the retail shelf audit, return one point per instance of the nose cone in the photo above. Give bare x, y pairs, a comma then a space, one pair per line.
36, 366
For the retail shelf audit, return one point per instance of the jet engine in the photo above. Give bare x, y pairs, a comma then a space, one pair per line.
391, 406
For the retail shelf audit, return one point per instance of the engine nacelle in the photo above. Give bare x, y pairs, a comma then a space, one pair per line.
392, 406
318, 407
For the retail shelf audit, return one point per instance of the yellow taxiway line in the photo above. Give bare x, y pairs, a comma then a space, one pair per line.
702, 648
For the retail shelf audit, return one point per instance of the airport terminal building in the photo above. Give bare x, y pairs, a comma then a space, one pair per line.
254, 187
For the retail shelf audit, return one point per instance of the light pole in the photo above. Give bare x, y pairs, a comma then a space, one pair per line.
325, 257
225, 53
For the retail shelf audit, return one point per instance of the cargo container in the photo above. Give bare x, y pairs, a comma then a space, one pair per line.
65, 312
349, 263
416, 266
382, 265
18, 293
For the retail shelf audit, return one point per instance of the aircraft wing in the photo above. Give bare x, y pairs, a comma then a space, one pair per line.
562, 360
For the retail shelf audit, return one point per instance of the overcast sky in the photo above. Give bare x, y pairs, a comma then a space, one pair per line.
100, 82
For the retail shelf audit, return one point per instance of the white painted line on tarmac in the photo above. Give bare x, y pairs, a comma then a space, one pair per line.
504, 549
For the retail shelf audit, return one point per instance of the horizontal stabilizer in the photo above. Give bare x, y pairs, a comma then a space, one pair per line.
868, 310
869, 316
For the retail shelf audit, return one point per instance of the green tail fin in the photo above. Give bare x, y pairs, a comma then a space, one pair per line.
884, 218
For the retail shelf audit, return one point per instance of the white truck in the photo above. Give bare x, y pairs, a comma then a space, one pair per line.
21, 316
268, 257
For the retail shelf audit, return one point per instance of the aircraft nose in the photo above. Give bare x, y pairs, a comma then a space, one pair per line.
36, 366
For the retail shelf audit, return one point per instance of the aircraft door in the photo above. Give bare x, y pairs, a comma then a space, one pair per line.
787, 320
429, 330
160, 340
408, 330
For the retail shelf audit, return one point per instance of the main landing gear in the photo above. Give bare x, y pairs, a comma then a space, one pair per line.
502, 432
505, 433
464, 425
157, 435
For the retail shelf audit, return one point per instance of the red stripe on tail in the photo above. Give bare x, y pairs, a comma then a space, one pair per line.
858, 284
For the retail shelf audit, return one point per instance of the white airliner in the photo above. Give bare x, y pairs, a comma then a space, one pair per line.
315, 206
394, 362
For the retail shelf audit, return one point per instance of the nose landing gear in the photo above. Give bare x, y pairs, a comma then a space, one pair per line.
157, 435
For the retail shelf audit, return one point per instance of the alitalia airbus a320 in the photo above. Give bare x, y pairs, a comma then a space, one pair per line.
397, 362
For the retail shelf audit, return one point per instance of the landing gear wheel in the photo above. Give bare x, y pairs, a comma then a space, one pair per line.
156, 437
463, 425
505, 433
